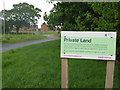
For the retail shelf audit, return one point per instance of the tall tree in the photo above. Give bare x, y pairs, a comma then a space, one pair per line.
85, 16
71, 15
21, 15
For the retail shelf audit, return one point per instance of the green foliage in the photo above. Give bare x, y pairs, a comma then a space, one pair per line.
108, 16
69, 15
21, 15
85, 16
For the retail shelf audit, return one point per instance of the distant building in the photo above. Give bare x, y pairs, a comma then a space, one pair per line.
44, 27
27, 29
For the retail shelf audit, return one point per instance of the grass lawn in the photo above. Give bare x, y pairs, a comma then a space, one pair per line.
39, 66
41, 32
52, 32
25, 37
24, 31
19, 38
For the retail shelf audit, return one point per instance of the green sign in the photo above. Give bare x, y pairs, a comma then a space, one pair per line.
88, 45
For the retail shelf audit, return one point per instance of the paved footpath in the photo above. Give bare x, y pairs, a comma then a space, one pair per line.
6, 47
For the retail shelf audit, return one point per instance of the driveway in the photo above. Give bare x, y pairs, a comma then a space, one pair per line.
6, 47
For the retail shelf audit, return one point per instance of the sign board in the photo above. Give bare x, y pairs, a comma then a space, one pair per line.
88, 45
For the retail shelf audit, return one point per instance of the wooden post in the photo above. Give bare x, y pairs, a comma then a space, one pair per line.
109, 75
64, 77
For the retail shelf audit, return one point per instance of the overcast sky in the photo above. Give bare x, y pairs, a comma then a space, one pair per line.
41, 4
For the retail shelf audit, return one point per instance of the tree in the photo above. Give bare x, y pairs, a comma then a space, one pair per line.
85, 16
21, 15
70, 15
108, 16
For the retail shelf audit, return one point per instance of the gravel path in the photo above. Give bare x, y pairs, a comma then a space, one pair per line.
6, 47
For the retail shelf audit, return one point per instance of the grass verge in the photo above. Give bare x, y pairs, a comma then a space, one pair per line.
26, 36
39, 66
52, 32
21, 38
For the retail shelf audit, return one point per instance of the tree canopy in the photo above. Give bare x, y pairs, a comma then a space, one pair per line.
21, 15
84, 15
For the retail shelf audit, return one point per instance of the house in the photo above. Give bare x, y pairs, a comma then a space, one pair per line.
27, 29
44, 27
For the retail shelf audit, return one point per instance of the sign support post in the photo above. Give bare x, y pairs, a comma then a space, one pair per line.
64, 73
109, 74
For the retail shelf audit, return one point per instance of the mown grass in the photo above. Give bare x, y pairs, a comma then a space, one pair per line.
39, 66
19, 38
41, 32
52, 32
23, 31
26, 36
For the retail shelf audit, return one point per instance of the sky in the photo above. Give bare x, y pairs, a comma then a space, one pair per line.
41, 4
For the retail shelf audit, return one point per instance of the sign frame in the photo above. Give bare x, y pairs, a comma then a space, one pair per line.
88, 45
109, 71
